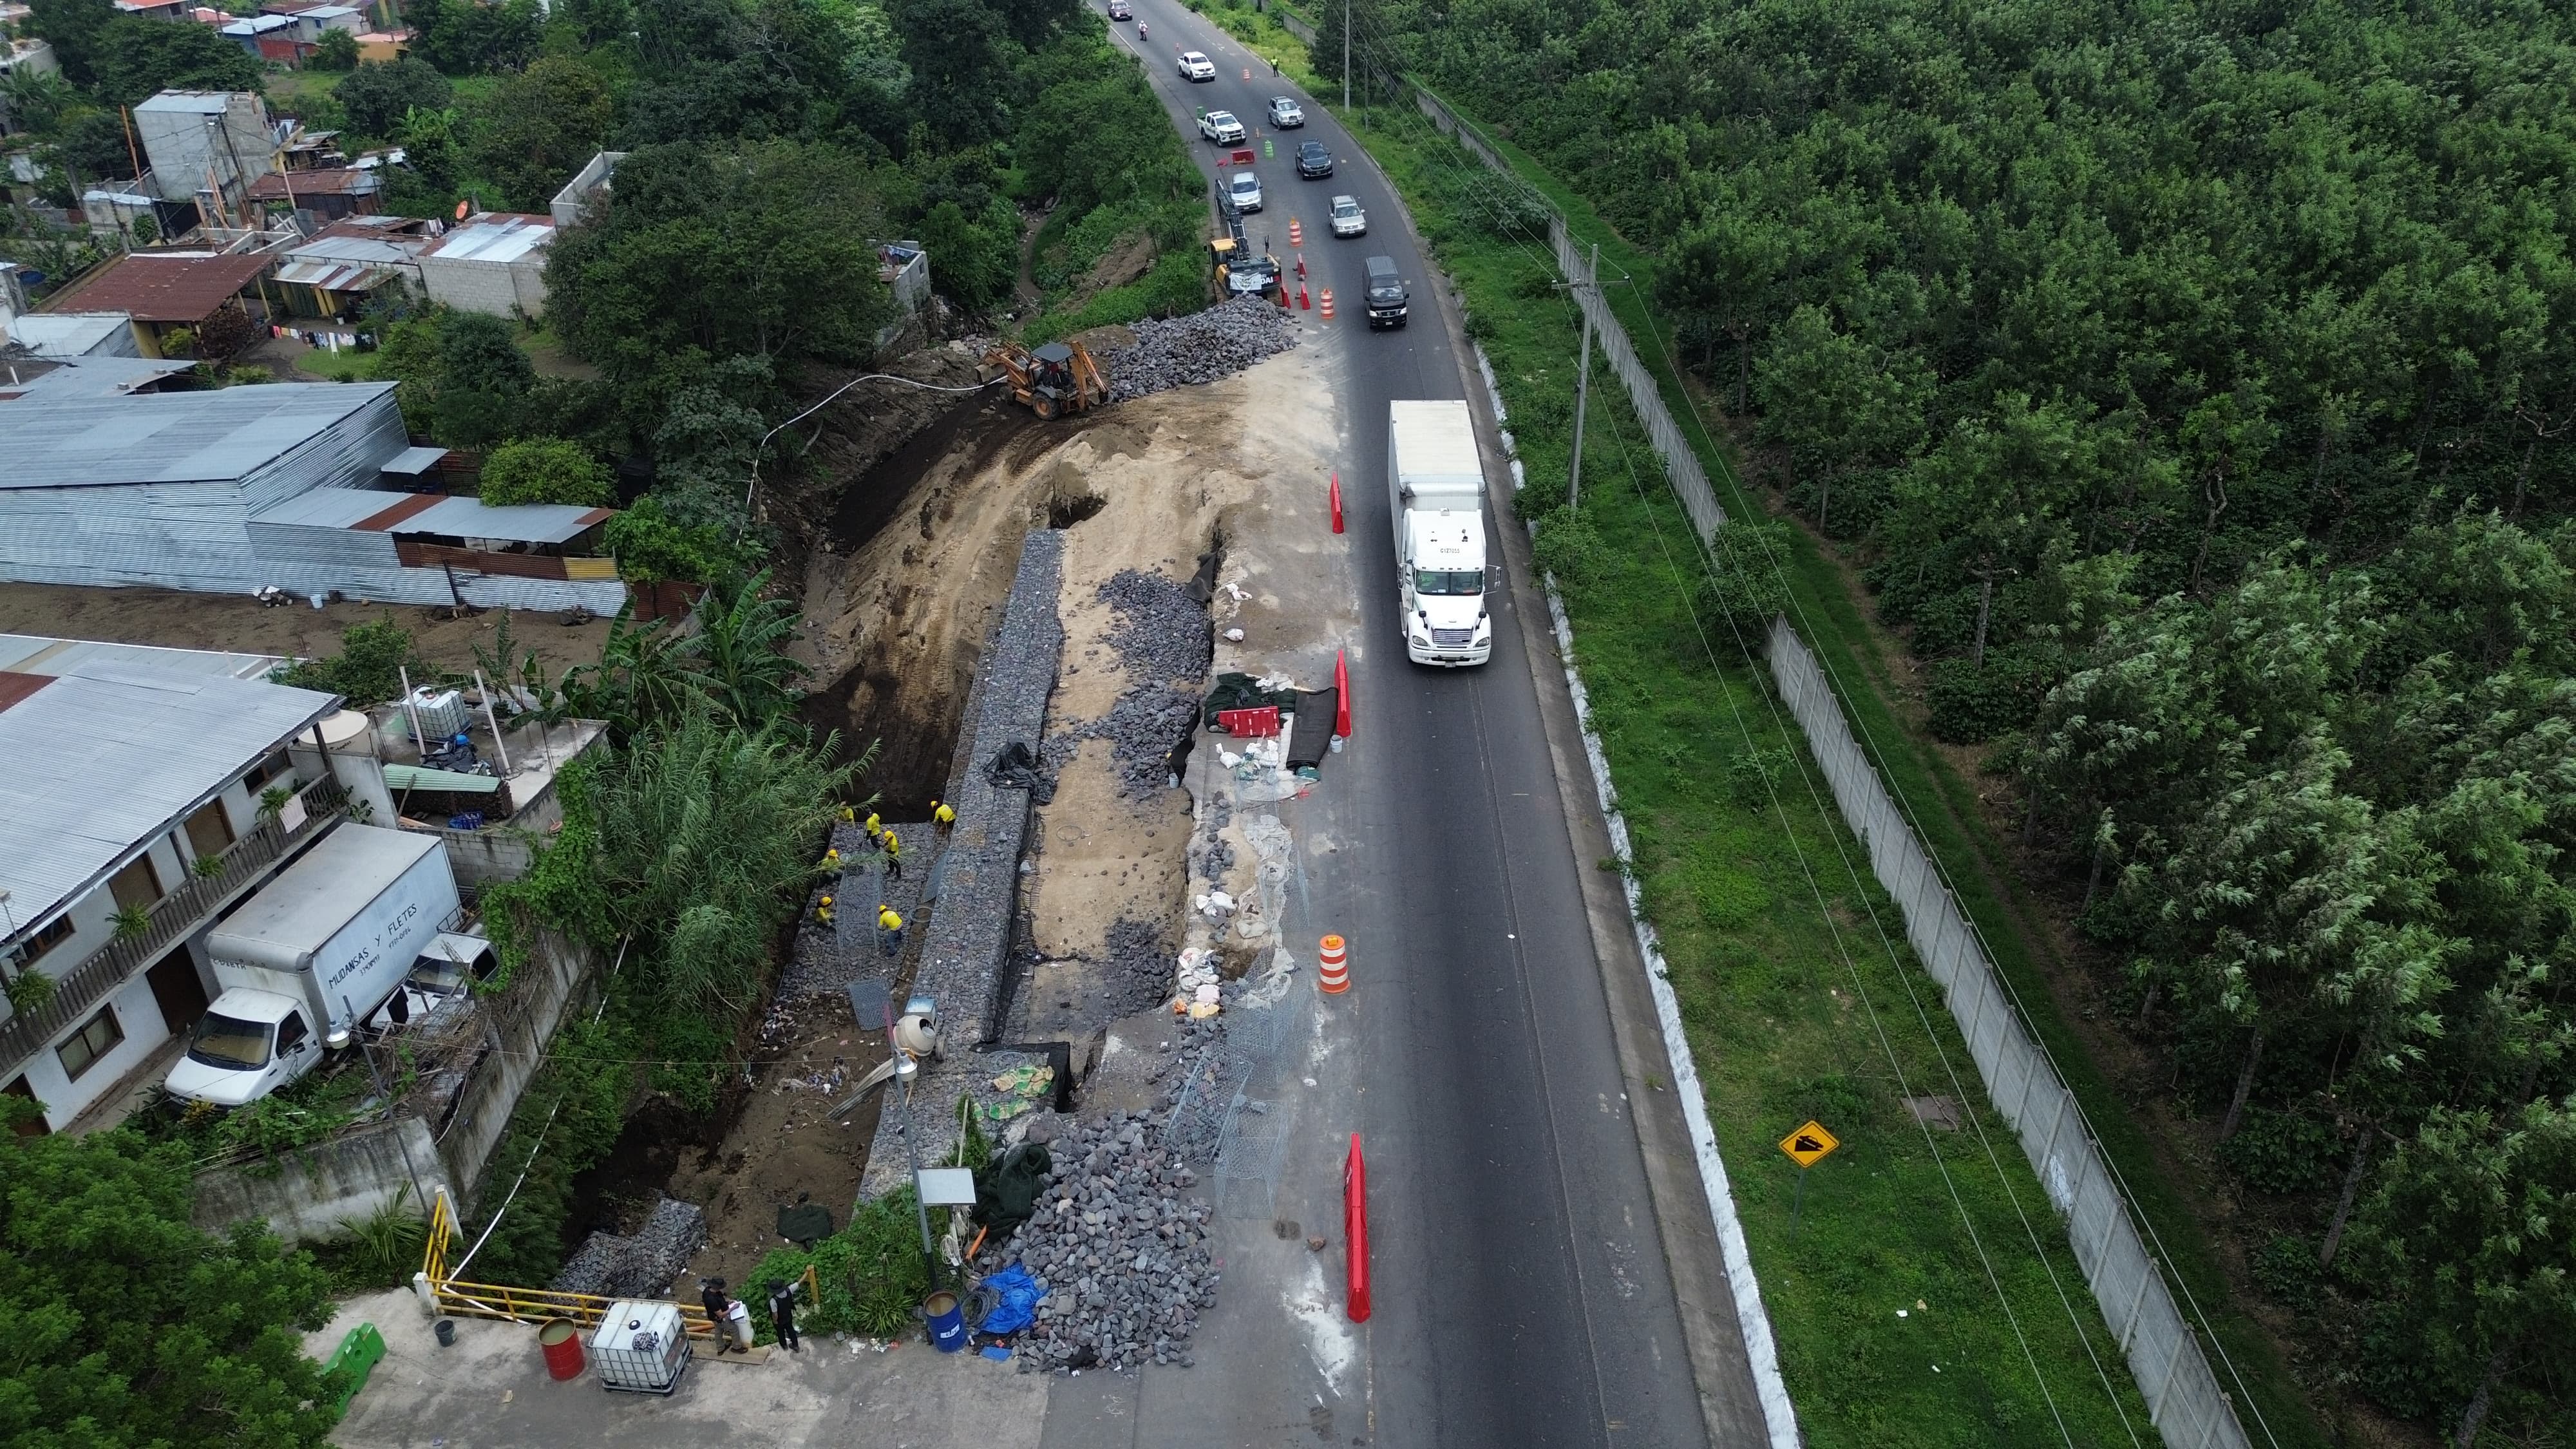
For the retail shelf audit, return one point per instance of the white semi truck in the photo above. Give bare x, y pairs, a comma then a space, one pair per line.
311, 956
1436, 489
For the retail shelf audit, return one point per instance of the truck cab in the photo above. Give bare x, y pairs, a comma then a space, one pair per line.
1446, 621
247, 1045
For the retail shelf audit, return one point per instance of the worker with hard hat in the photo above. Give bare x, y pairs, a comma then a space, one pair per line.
893, 856
941, 815
823, 911
891, 925
832, 860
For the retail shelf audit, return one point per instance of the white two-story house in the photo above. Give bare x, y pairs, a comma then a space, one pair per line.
142, 793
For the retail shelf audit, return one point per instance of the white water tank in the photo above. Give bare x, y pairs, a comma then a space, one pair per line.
441, 713
349, 738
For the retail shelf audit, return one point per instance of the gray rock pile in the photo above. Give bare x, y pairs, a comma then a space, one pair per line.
1202, 347
640, 1266
1137, 966
1162, 633
1122, 1249
1199, 1078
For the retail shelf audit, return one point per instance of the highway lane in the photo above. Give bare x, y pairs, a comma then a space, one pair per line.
1522, 1292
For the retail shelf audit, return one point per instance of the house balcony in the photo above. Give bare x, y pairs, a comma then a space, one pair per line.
241, 866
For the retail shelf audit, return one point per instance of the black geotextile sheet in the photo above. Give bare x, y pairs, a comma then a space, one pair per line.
1312, 733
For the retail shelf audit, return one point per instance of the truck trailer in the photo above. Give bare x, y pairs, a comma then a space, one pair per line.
311, 955
1436, 489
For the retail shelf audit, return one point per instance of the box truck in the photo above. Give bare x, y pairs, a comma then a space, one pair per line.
310, 956
1436, 487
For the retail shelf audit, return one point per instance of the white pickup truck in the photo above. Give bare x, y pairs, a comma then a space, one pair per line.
1436, 487
1221, 127
310, 956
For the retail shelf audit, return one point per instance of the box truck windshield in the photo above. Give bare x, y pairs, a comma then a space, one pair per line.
230, 1043
1448, 581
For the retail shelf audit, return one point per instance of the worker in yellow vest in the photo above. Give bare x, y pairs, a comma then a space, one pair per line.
849, 816
893, 856
872, 826
890, 929
832, 861
941, 815
823, 911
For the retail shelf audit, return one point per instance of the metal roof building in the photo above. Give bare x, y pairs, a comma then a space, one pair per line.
492, 263
292, 486
105, 759
38, 654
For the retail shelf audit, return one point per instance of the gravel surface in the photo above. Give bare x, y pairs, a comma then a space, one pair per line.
641, 1266
1137, 971
1202, 347
1121, 1248
1161, 636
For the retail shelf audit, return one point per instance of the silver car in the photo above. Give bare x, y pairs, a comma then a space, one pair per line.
1348, 219
1244, 191
1286, 114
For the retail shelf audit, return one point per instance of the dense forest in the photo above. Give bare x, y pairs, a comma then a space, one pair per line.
2195, 384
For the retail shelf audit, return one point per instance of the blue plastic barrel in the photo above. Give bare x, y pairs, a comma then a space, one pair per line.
947, 1322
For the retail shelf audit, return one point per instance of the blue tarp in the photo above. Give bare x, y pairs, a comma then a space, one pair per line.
1019, 1295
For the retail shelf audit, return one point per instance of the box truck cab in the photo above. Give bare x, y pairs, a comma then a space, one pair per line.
310, 956
1436, 487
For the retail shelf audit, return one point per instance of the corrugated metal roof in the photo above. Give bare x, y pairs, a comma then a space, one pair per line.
159, 286
494, 238
384, 511
184, 437
376, 250
320, 181
256, 25
90, 377
412, 462
72, 334
100, 762
194, 103
417, 777
331, 276
36, 654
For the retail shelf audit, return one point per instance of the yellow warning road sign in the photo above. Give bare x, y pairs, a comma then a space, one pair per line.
1809, 1144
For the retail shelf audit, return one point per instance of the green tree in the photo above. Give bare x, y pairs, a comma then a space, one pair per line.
379, 94
629, 289
137, 58
535, 129
337, 50
2474, 1230
1834, 404
130, 1326
77, 29
429, 148
545, 470
479, 380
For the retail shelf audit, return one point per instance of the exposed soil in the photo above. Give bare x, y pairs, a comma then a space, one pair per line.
784, 1144
246, 626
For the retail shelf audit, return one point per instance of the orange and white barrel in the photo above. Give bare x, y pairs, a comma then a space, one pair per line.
1333, 969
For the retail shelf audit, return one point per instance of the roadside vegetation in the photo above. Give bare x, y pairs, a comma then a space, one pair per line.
2224, 491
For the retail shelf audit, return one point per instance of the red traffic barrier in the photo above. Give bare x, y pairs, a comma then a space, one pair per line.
1301, 297
1355, 1229
1262, 721
1342, 694
1301, 266
1337, 501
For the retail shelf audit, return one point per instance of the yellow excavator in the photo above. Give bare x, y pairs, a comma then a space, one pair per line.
1059, 378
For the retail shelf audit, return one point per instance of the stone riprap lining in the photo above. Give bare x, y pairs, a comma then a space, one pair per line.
963, 954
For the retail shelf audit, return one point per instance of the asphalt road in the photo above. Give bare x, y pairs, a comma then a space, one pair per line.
1522, 1292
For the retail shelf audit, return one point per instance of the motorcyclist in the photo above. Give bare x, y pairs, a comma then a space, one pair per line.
1142, 30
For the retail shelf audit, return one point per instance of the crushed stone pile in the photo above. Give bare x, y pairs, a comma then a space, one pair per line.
1201, 347
1121, 1248
1162, 640
1136, 965
642, 1265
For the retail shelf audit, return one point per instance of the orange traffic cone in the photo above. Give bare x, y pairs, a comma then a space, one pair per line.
1333, 969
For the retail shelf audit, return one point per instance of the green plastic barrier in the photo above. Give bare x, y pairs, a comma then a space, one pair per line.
359, 1353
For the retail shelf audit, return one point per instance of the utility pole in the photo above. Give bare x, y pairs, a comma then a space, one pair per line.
1583, 376
1346, 55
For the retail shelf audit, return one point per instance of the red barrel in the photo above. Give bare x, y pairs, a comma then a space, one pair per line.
561, 1340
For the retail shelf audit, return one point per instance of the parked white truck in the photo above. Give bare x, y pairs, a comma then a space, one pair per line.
310, 956
1436, 488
